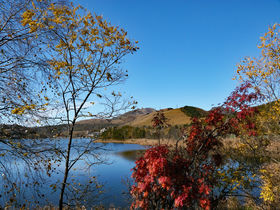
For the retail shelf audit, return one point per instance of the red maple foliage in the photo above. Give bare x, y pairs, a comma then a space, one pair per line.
168, 178
159, 120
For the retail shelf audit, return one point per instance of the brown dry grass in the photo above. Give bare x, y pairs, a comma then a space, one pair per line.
174, 116
145, 142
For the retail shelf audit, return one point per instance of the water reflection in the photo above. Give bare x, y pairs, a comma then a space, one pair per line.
97, 178
132, 155
24, 177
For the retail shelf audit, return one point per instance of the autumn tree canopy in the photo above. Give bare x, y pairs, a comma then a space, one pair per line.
263, 73
19, 66
70, 58
181, 177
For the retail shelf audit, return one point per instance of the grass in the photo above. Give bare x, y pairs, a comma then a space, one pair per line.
174, 116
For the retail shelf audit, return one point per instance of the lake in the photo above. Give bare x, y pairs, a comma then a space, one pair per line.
33, 186
101, 176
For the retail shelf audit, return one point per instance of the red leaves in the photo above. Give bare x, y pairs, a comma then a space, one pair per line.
180, 200
182, 177
204, 203
203, 189
167, 180
159, 120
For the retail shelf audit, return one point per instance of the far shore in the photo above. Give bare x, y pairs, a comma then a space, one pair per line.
145, 142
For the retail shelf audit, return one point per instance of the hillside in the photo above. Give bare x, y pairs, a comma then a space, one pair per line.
143, 117
120, 120
85, 128
174, 116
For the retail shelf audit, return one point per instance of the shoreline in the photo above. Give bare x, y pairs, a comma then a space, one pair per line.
144, 142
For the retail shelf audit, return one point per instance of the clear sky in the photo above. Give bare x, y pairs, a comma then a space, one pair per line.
189, 49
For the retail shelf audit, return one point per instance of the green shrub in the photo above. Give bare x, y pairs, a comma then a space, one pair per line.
193, 111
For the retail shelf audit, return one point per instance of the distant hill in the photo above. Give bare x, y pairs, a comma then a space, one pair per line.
143, 117
120, 120
132, 115
174, 116
141, 126
84, 128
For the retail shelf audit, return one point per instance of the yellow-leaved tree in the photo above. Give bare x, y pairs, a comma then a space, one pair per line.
85, 52
22, 91
263, 73
20, 67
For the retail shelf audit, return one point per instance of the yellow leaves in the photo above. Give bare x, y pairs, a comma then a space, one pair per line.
266, 193
98, 18
263, 73
27, 17
86, 22
73, 36
81, 45
94, 31
34, 7
59, 12
263, 39
84, 32
108, 44
61, 44
58, 66
17, 111
53, 186
21, 110
270, 188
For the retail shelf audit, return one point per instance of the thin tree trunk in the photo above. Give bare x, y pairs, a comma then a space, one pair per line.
66, 171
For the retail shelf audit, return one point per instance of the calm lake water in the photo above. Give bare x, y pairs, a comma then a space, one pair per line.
107, 165
117, 162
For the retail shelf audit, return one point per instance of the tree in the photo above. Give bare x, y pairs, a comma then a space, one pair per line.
85, 53
184, 176
159, 122
264, 74
21, 74
22, 63
15, 55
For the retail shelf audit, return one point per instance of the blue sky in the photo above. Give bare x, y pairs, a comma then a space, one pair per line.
189, 49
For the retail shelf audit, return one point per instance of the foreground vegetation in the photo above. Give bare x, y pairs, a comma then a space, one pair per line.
198, 174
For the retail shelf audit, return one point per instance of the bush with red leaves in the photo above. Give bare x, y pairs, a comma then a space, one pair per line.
167, 177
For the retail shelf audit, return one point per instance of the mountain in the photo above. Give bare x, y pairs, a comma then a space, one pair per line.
144, 116
174, 116
85, 128
120, 120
